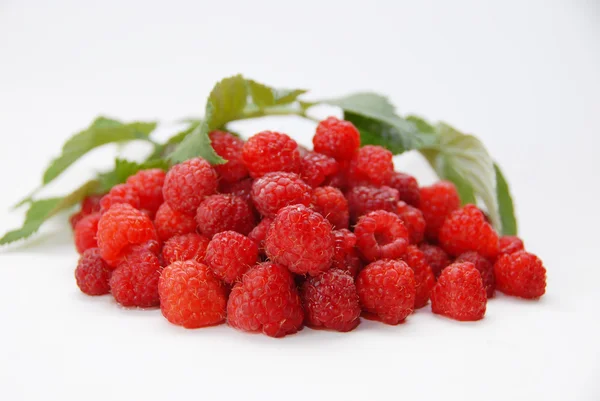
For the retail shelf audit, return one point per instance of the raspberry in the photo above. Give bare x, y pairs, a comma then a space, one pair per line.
270, 151
510, 244
229, 147
301, 240
437, 202
273, 191
521, 274
92, 273
363, 200
191, 296
135, 280
332, 205
413, 220
485, 268
371, 165
266, 299
330, 300
85, 232
121, 193
219, 213
76, 218
424, 278
242, 188
230, 255
459, 293
91, 204
148, 184
340, 179
467, 230
407, 187
436, 257
336, 138
170, 223
185, 247
386, 288
381, 235
315, 168
120, 226
259, 233
188, 183
345, 256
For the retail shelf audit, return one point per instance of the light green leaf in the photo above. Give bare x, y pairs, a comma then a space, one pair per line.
124, 169
505, 204
266, 96
227, 99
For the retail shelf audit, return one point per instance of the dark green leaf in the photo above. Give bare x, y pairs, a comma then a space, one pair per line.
266, 96
227, 99
505, 204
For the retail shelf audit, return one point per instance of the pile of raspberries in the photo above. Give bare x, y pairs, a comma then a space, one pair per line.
280, 236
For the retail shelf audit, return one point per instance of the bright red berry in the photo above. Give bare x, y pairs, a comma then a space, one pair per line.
170, 223
330, 300
413, 220
371, 165
437, 202
521, 274
230, 255
407, 187
188, 183
266, 300
315, 168
91, 204
275, 190
386, 288
220, 212
242, 188
121, 226
268, 152
510, 244
259, 233
345, 255
191, 295
424, 278
86, 231
121, 193
229, 147
485, 268
381, 235
190, 246
148, 184
332, 205
301, 240
363, 200
466, 230
92, 273
336, 138
135, 280
459, 293
436, 257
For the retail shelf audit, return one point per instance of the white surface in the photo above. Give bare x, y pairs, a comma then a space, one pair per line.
521, 75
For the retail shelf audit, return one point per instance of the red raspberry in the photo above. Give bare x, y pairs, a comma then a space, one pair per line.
149, 184
386, 288
269, 151
424, 278
273, 191
191, 296
242, 188
266, 299
92, 273
332, 205
188, 183
407, 187
135, 280
185, 247
301, 240
121, 193
330, 300
437, 202
219, 213
76, 218
340, 179
91, 204
336, 138
521, 274
485, 268
467, 230
85, 232
345, 256
230, 255
413, 220
371, 165
121, 226
436, 257
363, 200
459, 293
229, 147
315, 168
170, 223
259, 233
510, 244
381, 235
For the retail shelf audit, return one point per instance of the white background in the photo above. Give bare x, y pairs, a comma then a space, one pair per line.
522, 75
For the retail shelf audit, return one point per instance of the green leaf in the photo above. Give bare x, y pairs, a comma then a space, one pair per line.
505, 204
124, 169
227, 99
266, 96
